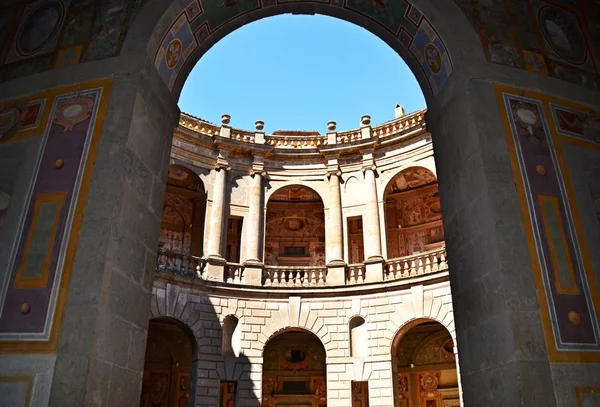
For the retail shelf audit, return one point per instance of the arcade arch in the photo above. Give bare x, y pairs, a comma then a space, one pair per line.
413, 215
295, 228
183, 215
424, 366
168, 364
294, 370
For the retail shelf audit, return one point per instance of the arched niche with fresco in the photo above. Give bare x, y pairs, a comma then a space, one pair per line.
184, 211
295, 228
425, 367
413, 216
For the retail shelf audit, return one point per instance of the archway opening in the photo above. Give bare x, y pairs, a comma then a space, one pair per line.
182, 221
413, 215
425, 367
169, 364
294, 370
295, 228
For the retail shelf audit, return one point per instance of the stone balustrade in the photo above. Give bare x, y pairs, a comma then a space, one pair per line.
416, 265
301, 139
234, 273
355, 274
282, 141
180, 264
295, 276
306, 276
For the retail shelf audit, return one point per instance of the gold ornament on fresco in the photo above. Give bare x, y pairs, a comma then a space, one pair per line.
574, 318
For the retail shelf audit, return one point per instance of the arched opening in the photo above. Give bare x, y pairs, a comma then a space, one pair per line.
294, 370
413, 215
358, 337
168, 365
424, 366
230, 346
182, 222
295, 228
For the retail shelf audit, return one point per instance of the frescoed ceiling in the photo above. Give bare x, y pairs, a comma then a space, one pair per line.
559, 38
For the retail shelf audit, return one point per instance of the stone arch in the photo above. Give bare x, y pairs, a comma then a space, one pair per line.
448, 25
291, 329
317, 188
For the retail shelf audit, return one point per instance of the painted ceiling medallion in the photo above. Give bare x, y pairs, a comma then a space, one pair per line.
40, 27
72, 112
561, 29
294, 224
9, 122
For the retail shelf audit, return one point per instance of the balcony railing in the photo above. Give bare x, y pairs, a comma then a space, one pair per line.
295, 276
307, 276
416, 265
180, 264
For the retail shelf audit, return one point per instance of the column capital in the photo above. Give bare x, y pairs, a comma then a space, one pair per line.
368, 166
333, 171
257, 167
221, 164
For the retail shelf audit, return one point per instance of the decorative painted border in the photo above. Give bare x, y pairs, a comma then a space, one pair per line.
415, 33
47, 341
24, 282
555, 170
572, 287
27, 379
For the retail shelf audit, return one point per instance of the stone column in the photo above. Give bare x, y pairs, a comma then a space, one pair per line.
215, 260
371, 228
253, 264
335, 238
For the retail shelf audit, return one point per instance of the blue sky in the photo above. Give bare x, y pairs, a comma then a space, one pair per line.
297, 72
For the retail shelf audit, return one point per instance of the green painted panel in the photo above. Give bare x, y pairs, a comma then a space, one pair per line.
560, 251
42, 235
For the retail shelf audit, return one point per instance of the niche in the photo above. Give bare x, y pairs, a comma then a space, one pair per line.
358, 337
231, 337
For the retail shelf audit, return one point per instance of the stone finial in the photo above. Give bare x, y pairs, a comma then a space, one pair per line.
399, 110
365, 120
331, 125
259, 125
225, 119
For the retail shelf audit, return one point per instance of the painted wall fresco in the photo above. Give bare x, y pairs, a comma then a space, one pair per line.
200, 20
540, 130
49, 34
559, 38
295, 228
32, 297
413, 215
426, 368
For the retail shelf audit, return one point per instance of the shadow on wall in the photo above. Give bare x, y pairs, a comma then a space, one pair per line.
197, 364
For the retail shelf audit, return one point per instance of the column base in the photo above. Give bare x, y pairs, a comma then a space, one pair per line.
253, 272
336, 272
374, 269
215, 268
